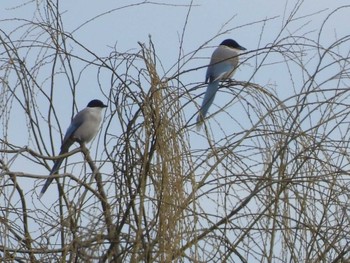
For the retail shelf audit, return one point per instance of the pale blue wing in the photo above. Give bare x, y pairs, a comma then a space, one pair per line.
67, 142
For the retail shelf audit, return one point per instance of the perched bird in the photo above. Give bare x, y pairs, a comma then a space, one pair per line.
83, 129
223, 64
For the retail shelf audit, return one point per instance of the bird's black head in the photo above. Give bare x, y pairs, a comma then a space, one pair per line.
96, 104
232, 44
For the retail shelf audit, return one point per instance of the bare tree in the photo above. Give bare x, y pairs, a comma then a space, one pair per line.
273, 189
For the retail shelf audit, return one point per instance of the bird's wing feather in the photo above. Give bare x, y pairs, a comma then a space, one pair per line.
67, 142
75, 124
222, 65
221, 71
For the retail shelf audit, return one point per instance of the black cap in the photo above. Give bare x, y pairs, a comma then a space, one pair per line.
96, 104
231, 43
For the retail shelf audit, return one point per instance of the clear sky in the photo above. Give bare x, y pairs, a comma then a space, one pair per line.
100, 26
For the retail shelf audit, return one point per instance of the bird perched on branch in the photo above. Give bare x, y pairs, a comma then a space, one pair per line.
82, 129
224, 61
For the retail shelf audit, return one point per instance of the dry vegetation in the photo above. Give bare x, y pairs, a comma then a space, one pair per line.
275, 190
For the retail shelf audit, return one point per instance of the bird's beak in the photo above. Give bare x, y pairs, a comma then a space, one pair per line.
242, 48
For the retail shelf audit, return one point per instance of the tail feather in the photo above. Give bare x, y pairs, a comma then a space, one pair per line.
56, 167
207, 101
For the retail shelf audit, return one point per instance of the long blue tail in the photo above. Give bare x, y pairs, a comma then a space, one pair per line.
56, 166
207, 101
